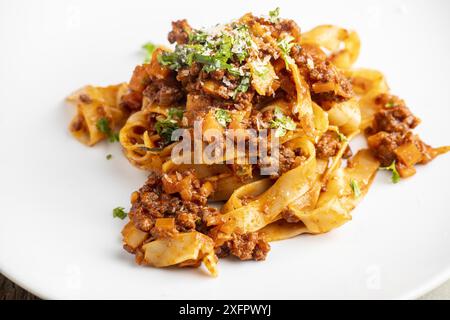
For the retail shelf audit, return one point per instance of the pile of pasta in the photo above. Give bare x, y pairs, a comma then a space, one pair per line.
314, 195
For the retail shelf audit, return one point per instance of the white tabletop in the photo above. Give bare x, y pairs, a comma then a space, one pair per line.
441, 293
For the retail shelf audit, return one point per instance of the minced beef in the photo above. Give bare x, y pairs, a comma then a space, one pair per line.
391, 127
180, 32
315, 67
328, 145
393, 116
249, 246
151, 203
163, 93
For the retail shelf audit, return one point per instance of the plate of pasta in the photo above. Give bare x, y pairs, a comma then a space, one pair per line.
259, 152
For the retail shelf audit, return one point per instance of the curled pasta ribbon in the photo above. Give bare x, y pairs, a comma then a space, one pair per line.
93, 104
184, 248
303, 106
344, 45
368, 85
266, 207
333, 206
139, 143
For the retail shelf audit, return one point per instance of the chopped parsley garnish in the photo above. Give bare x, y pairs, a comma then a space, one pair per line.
149, 48
225, 50
342, 137
223, 117
355, 188
176, 113
198, 36
285, 46
281, 123
395, 175
274, 15
103, 127
120, 213
108, 156
243, 86
165, 128
390, 104
171, 59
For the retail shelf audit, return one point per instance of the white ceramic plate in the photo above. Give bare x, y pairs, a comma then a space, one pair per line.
57, 236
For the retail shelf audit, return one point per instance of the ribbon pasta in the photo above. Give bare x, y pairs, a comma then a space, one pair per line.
254, 73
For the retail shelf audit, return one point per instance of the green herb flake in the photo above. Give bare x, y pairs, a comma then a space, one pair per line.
198, 36
390, 104
149, 48
281, 123
243, 86
170, 60
355, 188
103, 127
395, 175
119, 212
285, 46
214, 52
108, 156
165, 128
342, 137
274, 15
223, 117
176, 113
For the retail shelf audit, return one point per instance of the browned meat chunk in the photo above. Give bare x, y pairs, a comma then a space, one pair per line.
152, 202
249, 246
327, 82
165, 94
391, 137
180, 32
384, 144
328, 145
393, 116
187, 186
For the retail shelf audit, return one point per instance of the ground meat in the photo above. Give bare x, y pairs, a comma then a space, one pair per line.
187, 221
132, 101
391, 127
188, 76
188, 186
393, 116
316, 68
287, 159
326, 100
383, 145
217, 74
243, 100
328, 145
180, 32
243, 171
249, 246
163, 93
289, 26
151, 203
